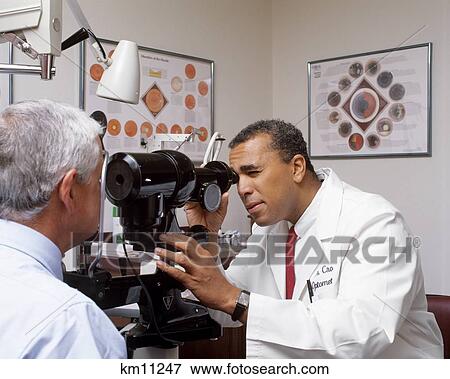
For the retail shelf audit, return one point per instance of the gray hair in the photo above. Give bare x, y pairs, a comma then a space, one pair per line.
39, 142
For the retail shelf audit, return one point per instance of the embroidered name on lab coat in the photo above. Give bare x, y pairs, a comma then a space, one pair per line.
317, 285
323, 283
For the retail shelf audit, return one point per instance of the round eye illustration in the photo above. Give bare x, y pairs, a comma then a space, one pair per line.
345, 129
344, 84
355, 70
364, 105
334, 117
397, 91
356, 142
385, 78
384, 127
397, 112
373, 141
334, 99
372, 67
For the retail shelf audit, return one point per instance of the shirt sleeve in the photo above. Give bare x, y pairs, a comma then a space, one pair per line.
81, 330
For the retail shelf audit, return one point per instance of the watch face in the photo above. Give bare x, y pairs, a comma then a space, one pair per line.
244, 299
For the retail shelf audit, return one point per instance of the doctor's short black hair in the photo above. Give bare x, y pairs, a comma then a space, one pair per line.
286, 139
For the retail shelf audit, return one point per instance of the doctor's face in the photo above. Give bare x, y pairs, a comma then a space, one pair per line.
266, 185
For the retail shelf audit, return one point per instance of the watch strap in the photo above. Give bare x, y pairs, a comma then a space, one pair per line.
241, 306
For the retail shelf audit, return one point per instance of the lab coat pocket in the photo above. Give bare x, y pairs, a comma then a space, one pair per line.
326, 292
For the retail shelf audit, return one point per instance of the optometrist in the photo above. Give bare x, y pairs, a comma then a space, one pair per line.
329, 271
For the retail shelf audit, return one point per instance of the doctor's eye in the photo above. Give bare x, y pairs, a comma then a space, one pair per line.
253, 173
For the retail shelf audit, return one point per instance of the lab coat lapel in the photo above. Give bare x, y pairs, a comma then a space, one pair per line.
310, 253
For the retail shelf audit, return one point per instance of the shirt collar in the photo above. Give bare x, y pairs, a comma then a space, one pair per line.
309, 216
28, 241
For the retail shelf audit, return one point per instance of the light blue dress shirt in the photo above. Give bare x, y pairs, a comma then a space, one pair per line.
41, 316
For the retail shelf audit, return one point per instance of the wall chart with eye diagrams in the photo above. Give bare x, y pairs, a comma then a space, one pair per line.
372, 104
176, 98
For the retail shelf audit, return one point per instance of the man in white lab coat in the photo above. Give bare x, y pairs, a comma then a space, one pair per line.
329, 271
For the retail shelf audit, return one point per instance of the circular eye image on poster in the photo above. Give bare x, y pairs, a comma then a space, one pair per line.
372, 68
334, 99
385, 78
384, 127
189, 102
356, 142
161, 128
114, 127
176, 83
345, 128
130, 128
397, 112
397, 91
146, 129
176, 129
364, 105
154, 100
344, 84
190, 71
334, 117
203, 88
356, 70
203, 134
373, 141
96, 72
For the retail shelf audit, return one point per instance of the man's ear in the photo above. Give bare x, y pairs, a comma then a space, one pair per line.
299, 167
66, 190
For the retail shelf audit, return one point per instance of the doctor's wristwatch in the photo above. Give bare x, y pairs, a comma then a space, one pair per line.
242, 303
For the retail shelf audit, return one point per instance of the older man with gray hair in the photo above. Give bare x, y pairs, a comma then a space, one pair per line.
50, 168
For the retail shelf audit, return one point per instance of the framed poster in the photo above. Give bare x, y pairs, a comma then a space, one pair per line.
371, 105
176, 97
5, 79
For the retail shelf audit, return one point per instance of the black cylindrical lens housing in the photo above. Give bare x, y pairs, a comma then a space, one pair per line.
131, 176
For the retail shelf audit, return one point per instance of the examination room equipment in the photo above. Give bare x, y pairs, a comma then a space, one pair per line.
35, 28
147, 189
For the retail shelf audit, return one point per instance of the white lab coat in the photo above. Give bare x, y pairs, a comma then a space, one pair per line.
358, 310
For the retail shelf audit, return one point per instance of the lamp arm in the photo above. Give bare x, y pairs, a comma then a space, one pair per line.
97, 47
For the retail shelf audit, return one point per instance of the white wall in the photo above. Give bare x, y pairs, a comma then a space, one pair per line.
309, 30
260, 49
235, 34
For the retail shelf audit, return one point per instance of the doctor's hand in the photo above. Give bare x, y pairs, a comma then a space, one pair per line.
196, 215
202, 275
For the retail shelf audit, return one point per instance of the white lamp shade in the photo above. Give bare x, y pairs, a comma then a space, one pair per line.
121, 80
